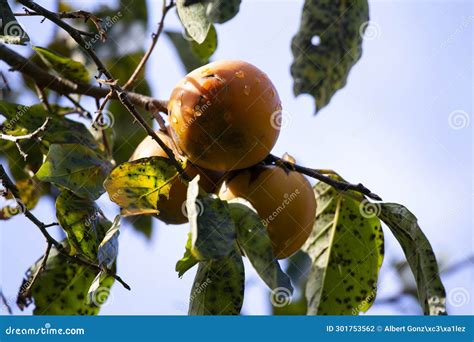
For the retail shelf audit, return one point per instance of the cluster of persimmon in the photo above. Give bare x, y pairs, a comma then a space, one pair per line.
224, 118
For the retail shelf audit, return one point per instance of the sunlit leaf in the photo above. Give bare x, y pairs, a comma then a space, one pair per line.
218, 287
419, 254
212, 228
346, 247
136, 186
327, 46
194, 20
76, 168
64, 66
187, 261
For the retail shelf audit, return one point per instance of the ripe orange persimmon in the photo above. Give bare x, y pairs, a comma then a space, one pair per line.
284, 200
225, 115
171, 209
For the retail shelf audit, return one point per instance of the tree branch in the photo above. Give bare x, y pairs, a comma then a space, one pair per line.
64, 86
114, 86
338, 185
10, 186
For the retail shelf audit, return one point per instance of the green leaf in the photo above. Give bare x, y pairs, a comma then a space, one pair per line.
187, 261
327, 45
136, 186
205, 50
220, 11
142, 224
59, 130
108, 248
10, 30
419, 254
346, 249
62, 288
212, 228
186, 54
75, 167
79, 218
64, 66
218, 287
194, 20
253, 238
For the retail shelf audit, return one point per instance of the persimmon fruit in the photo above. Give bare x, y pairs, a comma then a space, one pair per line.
225, 115
284, 200
171, 208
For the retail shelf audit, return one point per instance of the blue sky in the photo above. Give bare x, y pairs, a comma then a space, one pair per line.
394, 127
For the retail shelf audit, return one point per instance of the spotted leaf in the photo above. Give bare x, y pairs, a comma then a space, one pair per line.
218, 287
137, 186
326, 47
212, 228
75, 167
79, 217
346, 249
62, 288
419, 254
254, 240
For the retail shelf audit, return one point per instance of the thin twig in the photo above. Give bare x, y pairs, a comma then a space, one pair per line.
5, 303
72, 15
154, 40
338, 185
31, 135
78, 107
42, 97
16, 138
25, 292
10, 186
